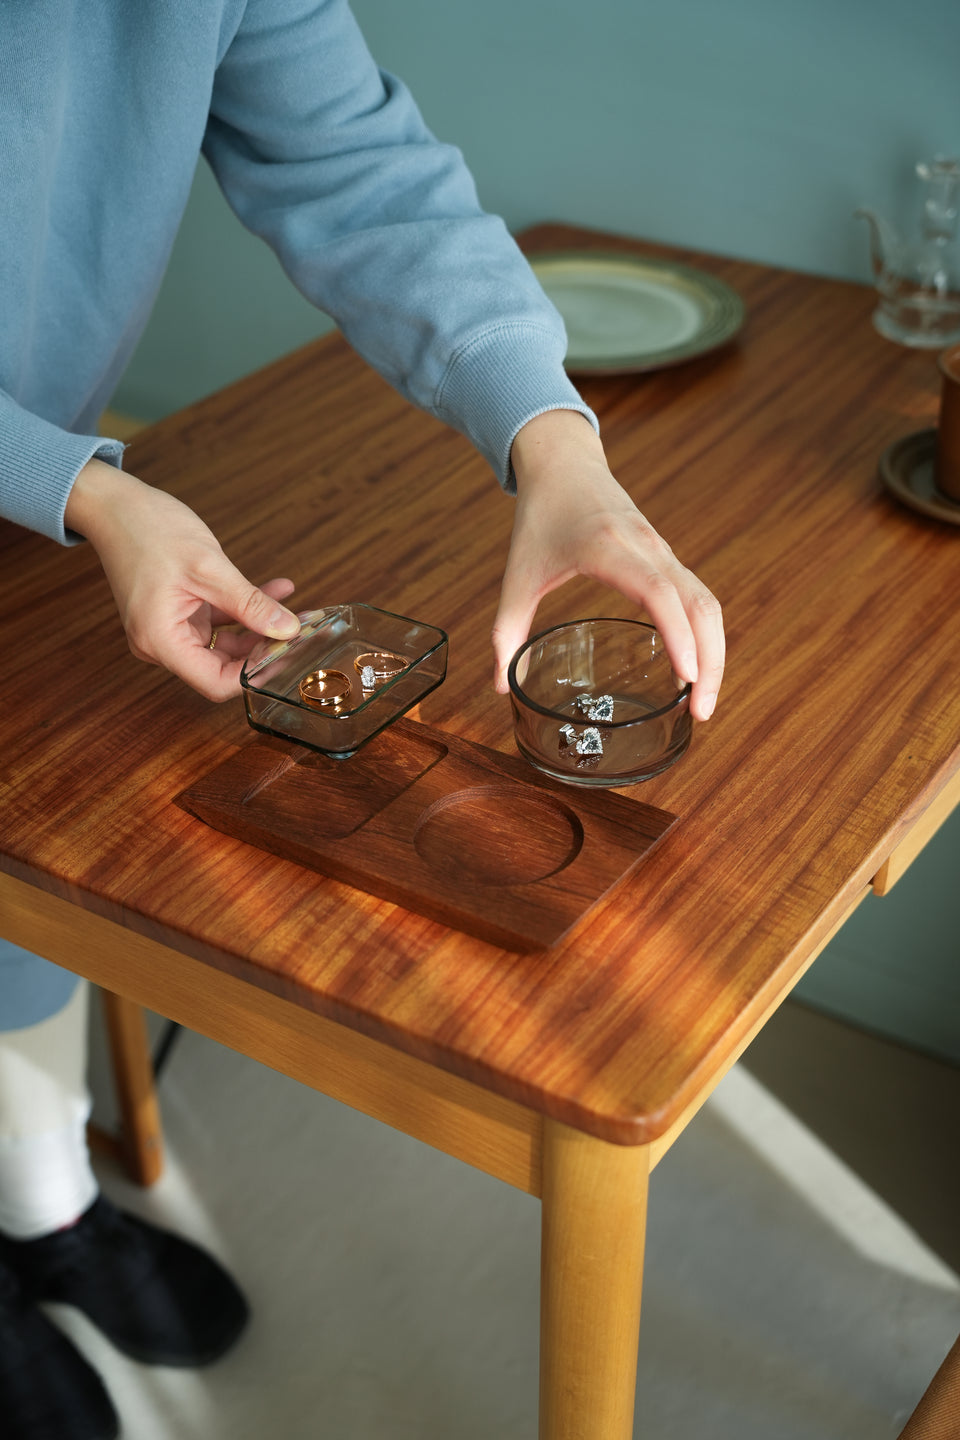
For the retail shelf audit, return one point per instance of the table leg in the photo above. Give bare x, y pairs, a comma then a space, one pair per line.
591, 1273
136, 1096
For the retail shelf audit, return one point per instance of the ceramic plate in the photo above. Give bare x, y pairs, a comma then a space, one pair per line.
626, 312
907, 470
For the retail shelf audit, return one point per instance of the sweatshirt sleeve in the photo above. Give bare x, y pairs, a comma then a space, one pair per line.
328, 159
38, 464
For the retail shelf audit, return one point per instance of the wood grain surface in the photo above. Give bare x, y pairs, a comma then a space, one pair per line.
837, 726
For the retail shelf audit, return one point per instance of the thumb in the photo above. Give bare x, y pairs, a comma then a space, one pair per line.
518, 606
252, 607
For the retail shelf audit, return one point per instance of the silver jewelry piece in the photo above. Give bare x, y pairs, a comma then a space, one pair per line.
584, 703
368, 677
590, 743
601, 709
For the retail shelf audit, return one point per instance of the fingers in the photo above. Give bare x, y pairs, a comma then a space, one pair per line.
180, 622
707, 622
658, 594
688, 618
171, 581
216, 676
690, 623
519, 599
623, 551
683, 610
232, 597
277, 589
232, 644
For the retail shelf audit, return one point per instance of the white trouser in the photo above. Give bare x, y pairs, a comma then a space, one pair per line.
45, 1177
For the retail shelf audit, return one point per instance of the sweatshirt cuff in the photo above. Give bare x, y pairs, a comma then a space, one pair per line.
39, 463
504, 377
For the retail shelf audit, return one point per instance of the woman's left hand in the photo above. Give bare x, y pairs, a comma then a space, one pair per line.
573, 518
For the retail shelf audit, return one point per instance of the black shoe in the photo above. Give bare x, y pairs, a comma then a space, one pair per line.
47, 1389
157, 1297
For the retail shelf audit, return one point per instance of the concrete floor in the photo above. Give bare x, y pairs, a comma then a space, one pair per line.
892, 1113
395, 1290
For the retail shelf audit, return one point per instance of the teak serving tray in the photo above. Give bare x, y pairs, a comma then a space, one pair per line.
439, 825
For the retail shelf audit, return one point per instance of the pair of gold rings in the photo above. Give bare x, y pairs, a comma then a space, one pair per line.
330, 688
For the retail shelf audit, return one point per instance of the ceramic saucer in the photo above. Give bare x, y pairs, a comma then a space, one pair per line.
906, 468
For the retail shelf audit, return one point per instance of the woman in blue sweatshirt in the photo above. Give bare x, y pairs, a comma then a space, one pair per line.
104, 109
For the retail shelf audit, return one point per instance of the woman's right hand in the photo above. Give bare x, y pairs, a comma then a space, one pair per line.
171, 581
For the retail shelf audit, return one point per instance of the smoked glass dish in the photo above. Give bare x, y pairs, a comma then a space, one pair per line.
596, 702
333, 639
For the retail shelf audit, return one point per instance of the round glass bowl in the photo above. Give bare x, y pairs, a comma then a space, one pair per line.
596, 702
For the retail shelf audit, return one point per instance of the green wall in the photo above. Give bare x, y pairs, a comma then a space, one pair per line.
748, 127
895, 966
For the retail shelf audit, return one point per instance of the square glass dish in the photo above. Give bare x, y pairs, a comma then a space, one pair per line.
351, 671
596, 702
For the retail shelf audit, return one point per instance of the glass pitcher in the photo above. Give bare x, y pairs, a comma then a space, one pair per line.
918, 278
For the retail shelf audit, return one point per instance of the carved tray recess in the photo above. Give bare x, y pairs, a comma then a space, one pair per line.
437, 824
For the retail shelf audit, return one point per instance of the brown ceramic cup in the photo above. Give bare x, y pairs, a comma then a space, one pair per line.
948, 434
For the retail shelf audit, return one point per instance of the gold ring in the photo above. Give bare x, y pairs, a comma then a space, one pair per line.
324, 687
384, 664
213, 639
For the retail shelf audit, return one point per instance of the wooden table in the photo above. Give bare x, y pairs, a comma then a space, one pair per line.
566, 1072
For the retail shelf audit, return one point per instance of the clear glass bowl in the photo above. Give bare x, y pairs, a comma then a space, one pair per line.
596, 702
334, 639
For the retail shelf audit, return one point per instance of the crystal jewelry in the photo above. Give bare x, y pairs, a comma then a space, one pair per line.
601, 709
590, 743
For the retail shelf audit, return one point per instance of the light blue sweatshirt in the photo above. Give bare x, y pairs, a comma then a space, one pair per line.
105, 106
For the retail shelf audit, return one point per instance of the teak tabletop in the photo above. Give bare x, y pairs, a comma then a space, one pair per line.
567, 1071
837, 726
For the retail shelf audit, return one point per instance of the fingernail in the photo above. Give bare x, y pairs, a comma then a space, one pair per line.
708, 705
283, 625
688, 666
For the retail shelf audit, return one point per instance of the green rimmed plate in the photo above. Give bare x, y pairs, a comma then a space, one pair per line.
627, 313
